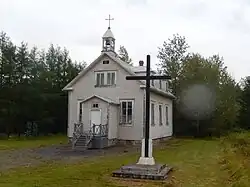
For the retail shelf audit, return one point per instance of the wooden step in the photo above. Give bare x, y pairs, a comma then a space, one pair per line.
81, 143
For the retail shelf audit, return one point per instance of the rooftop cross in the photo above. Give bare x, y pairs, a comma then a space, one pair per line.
109, 19
148, 77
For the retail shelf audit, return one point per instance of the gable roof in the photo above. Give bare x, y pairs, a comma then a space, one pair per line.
101, 98
124, 65
128, 68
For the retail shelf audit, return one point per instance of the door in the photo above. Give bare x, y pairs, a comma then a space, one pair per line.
95, 117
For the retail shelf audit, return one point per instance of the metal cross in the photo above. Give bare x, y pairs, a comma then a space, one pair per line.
148, 77
109, 19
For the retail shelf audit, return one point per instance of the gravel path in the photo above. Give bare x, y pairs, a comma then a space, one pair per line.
35, 156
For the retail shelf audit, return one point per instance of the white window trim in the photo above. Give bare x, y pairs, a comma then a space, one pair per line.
152, 122
152, 82
160, 84
79, 102
167, 86
160, 119
105, 78
167, 114
92, 105
133, 111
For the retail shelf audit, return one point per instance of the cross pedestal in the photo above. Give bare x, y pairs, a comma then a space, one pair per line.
150, 159
146, 168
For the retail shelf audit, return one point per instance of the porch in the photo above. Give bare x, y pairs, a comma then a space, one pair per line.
94, 138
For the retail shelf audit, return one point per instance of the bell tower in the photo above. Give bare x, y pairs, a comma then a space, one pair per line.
108, 39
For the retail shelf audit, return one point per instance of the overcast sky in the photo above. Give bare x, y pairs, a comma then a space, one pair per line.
210, 27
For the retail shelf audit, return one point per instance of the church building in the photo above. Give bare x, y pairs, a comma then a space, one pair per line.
105, 109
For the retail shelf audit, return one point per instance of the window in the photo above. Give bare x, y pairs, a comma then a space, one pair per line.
95, 105
105, 78
166, 115
152, 113
110, 78
100, 79
160, 114
167, 85
105, 62
80, 112
127, 107
152, 82
160, 82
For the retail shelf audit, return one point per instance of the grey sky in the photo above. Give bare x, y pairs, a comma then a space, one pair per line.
211, 26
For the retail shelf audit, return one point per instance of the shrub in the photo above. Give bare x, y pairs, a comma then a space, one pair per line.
235, 159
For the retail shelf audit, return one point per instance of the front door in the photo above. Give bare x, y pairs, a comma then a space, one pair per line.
95, 117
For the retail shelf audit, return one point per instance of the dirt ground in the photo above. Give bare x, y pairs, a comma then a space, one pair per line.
64, 153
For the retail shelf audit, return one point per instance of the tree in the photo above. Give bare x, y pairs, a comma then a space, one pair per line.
31, 83
244, 115
171, 56
8, 82
123, 55
209, 83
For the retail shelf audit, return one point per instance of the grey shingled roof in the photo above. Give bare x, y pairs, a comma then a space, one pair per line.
130, 69
108, 34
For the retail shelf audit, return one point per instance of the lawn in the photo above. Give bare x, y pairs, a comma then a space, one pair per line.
20, 143
196, 163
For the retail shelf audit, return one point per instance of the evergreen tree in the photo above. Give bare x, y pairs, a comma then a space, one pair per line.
31, 97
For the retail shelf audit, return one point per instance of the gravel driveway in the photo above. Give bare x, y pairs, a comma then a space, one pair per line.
31, 157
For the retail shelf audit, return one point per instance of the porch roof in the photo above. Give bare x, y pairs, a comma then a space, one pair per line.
102, 98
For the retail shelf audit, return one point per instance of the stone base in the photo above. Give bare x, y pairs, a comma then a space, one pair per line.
138, 142
146, 161
139, 171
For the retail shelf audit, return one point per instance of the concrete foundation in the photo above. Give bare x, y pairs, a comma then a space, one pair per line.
139, 171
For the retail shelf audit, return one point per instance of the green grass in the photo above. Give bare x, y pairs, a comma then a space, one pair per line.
197, 163
236, 159
20, 143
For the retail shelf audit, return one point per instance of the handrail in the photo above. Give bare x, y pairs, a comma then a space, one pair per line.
99, 130
89, 137
78, 131
96, 130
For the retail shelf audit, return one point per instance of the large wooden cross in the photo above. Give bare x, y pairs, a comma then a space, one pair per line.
148, 77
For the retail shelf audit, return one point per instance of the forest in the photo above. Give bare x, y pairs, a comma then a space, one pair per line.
31, 97
32, 102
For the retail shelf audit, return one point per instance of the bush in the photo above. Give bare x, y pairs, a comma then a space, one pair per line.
240, 142
235, 159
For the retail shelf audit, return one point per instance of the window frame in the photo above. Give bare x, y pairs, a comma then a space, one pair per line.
95, 105
105, 62
105, 82
160, 84
152, 113
167, 114
160, 114
153, 82
80, 111
167, 86
126, 123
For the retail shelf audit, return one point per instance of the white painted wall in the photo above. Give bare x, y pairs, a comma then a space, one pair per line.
159, 131
124, 89
113, 122
87, 106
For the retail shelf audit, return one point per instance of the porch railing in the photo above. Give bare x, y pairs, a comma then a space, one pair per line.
78, 131
99, 130
95, 130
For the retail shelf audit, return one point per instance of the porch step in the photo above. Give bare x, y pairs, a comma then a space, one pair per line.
81, 143
80, 148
